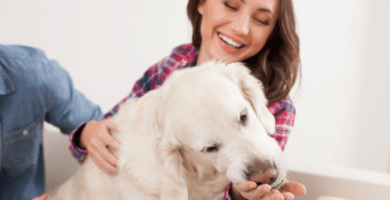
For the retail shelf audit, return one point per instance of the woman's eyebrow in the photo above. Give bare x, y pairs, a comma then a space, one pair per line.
260, 9
265, 10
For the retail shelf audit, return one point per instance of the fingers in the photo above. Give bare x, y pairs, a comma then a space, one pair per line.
288, 196
97, 137
102, 163
106, 136
245, 186
108, 156
108, 140
249, 192
111, 126
294, 188
111, 141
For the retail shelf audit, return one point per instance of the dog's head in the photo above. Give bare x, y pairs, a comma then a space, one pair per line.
214, 118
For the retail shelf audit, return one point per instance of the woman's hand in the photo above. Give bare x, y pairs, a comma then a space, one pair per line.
96, 137
249, 190
43, 197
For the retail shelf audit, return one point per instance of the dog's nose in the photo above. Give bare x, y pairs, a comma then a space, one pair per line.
267, 176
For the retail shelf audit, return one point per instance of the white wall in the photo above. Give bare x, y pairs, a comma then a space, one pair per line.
373, 122
342, 106
105, 45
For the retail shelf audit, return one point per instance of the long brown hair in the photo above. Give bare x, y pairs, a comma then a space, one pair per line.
277, 64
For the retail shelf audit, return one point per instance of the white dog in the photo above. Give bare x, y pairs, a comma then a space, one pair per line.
205, 127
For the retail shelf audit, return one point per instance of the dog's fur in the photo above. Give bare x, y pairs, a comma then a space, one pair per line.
204, 127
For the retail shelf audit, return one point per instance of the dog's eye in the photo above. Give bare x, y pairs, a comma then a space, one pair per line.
212, 149
243, 118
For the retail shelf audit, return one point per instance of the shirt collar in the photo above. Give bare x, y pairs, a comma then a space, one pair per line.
6, 84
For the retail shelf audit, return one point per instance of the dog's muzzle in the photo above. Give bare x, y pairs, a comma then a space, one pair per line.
262, 172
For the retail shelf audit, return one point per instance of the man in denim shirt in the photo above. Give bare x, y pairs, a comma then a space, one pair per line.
33, 89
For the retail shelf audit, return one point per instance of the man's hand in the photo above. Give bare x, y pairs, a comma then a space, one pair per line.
96, 138
43, 197
249, 190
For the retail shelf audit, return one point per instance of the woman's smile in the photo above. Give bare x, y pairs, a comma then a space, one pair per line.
232, 31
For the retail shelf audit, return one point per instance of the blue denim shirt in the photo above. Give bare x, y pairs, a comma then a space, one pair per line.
33, 89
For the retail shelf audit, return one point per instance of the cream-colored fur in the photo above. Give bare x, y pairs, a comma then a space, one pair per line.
203, 128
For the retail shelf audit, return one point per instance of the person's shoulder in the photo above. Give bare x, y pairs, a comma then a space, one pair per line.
181, 57
287, 101
29, 60
184, 50
22, 52
30, 65
285, 105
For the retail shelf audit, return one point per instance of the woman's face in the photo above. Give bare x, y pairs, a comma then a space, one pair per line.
234, 30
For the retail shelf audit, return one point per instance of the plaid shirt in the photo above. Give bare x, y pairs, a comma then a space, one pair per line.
181, 57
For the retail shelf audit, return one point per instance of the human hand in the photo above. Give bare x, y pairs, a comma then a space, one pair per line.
43, 197
96, 137
249, 190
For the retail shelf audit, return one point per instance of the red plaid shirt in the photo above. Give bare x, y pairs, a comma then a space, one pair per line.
181, 57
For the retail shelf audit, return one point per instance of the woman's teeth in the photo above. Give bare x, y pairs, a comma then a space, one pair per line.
230, 42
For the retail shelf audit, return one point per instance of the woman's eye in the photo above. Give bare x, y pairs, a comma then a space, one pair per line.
265, 22
229, 6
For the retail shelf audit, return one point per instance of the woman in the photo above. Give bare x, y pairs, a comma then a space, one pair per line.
260, 33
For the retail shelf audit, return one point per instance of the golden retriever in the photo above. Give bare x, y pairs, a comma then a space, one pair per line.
205, 127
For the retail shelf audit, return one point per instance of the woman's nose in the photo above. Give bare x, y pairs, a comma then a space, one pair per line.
241, 24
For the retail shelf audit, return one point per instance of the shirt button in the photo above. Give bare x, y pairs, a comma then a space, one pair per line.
25, 132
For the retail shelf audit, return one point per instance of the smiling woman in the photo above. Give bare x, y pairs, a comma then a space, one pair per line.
259, 33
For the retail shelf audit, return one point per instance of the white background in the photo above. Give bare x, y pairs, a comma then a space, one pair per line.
342, 105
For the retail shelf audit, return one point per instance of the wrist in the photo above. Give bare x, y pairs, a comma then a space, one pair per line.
77, 137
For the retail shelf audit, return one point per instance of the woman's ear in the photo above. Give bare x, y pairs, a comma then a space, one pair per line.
201, 6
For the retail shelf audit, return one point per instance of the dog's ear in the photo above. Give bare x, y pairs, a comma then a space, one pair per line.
167, 149
166, 146
172, 158
252, 90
